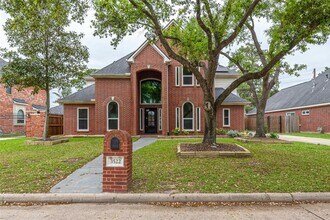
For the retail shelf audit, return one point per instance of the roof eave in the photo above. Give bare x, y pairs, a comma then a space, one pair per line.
235, 103
126, 75
75, 102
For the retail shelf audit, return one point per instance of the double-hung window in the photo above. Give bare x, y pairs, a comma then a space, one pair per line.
187, 77
113, 116
82, 122
226, 117
188, 116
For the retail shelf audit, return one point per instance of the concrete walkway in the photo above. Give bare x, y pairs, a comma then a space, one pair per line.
88, 179
10, 138
306, 139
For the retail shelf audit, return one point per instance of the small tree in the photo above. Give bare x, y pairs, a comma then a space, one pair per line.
47, 55
206, 27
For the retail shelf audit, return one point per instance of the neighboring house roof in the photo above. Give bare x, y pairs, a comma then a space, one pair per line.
2, 63
314, 92
231, 99
119, 67
57, 110
225, 70
20, 101
39, 107
86, 95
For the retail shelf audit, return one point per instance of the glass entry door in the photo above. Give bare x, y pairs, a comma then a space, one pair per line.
150, 120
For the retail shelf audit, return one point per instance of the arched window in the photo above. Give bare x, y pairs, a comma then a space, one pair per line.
113, 116
20, 117
151, 92
188, 116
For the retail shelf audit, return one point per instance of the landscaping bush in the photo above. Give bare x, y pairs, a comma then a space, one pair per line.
184, 132
273, 135
233, 133
176, 131
221, 131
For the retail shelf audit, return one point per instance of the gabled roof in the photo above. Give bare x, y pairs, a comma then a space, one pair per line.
57, 110
86, 95
313, 92
223, 70
119, 67
231, 99
39, 107
144, 45
19, 101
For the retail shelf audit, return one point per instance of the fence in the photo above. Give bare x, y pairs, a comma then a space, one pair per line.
277, 124
55, 125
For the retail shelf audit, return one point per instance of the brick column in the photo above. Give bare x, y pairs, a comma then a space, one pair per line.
117, 163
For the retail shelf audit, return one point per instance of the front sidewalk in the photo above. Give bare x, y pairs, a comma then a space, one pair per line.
309, 140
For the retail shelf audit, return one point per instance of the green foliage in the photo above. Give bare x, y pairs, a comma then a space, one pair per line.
274, 135
176, 131
184, 132
221, 131
233, 133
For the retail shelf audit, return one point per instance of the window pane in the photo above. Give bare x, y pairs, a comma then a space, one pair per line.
83, 124
8, 90
20, 117
83, 113
187, 110
113, 110
226, 121
151, 92
187, 80
113, 124
186, 72
187, 124
226, 113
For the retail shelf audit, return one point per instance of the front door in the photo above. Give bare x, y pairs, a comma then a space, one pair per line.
150, 120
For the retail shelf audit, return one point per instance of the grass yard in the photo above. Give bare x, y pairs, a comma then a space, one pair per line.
27, 169
294, 167
313, 135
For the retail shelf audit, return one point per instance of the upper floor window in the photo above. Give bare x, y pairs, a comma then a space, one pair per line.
82, 119
113, 116
188, 116
8, 90
20, 117
187, 77
151, 92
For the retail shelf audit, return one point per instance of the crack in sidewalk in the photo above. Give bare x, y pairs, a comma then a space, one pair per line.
312, 213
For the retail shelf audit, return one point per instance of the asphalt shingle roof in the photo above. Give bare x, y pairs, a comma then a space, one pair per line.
21, 101
84, 95
119, 67
39, 107
2, 63
223, 69
304, 94
57, 110
232, 98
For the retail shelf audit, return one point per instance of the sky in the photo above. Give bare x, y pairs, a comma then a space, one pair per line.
102, 53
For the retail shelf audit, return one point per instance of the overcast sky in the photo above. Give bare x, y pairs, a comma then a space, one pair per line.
102, 53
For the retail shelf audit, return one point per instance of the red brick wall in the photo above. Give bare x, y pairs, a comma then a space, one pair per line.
35, 124
318, 117
6, 107
70, 120
237, 121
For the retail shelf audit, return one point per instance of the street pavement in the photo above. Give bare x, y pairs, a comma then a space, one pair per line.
305, 139
88, 179
146, 212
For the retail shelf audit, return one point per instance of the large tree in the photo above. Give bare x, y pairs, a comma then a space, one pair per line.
205, 28
45, 53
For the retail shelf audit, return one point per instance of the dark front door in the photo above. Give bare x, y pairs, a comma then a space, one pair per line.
150, 120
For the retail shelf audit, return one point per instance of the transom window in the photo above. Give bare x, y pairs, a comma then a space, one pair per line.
20, 117
82, 119
188, 116
151, 92
187, 77
113, 116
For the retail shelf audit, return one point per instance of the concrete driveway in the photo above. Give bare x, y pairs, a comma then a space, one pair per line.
88, 179
306, 139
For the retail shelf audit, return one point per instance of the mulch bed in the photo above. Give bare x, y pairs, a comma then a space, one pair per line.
207, 147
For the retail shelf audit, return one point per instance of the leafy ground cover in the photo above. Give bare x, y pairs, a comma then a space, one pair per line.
293, 167
313, 135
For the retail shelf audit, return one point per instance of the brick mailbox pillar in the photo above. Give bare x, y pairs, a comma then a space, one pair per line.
117, 161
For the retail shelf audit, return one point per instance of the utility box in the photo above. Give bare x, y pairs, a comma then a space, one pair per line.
117, 161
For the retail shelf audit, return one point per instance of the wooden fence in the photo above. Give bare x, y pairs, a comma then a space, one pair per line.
277, 124
55, 125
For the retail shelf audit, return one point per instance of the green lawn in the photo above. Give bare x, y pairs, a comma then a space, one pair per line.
314, 135
273, 168
26, 169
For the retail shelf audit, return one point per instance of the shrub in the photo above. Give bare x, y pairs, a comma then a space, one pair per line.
273, 135
233, 133
176, 131
184, 132
221, 131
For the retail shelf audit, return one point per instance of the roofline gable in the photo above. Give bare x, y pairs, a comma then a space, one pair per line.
144, 45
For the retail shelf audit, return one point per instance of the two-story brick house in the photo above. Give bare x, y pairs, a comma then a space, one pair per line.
146, 92
16, 105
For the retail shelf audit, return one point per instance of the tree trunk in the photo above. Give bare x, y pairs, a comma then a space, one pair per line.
210, 119
45, 134
261, 108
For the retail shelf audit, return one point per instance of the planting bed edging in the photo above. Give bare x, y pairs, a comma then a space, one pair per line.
48, 142
268, 141
212, 154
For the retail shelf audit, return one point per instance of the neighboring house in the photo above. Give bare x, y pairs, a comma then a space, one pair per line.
146, 92
310, 101
16, 105
56, 110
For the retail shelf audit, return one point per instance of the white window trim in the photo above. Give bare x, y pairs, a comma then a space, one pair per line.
193, 118
192, 78
177, 75
305, 112
108, 115
79, 108
198, 119
150, 79
290, 113
223, 117
141, 119
16, 118
177, 117
160, 118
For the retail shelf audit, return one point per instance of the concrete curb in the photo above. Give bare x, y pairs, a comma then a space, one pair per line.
159, 197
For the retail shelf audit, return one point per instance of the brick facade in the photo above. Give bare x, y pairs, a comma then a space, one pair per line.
318, 117
35, 124
8, 107
125, 90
